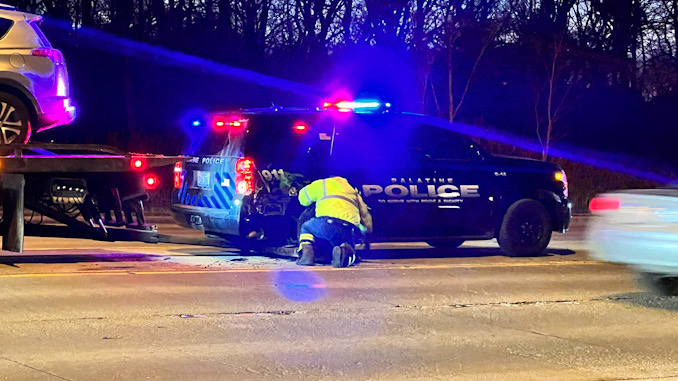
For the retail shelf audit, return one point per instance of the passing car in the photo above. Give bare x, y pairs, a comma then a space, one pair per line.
34, 88
638, 228
422, 182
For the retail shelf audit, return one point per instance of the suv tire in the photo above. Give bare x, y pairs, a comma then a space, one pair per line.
658, 284
525, 229
15, 120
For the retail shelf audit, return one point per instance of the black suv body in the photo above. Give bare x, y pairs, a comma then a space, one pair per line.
422, 182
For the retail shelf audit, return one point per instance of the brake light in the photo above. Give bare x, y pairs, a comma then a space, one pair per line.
562, 177
53, 54
600, 204
244, 166
244, 179
151, 182
178, 174
138, 164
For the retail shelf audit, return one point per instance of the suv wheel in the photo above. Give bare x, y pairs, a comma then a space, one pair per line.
525, 229
15, 122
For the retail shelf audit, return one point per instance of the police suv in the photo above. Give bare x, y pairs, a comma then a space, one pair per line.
422, 182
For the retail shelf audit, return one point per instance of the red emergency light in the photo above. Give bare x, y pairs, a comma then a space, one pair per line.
300, 127
230, 122
359, 106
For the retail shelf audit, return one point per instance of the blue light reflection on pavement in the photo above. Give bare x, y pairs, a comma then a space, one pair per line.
299, 285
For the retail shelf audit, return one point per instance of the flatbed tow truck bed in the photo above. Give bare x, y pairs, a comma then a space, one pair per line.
95, 191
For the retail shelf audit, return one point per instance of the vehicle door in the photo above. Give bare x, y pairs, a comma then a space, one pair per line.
209, 181
453, 183
371, 152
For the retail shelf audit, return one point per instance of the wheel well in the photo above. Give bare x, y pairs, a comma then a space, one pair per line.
12, 90
546, 198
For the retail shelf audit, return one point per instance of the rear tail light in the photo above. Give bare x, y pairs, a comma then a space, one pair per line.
53, 54
151, 181
562, 177
244, 180
178, 174
600, 204
62, 88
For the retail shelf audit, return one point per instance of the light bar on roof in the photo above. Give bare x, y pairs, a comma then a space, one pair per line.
356, 106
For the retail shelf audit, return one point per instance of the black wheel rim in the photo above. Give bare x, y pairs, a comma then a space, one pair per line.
530, 232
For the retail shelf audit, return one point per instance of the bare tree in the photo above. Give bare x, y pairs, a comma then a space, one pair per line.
552, 96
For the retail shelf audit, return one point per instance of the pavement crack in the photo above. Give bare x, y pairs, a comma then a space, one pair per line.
35, 369
535, 302
260, 313
560, 338
507, 304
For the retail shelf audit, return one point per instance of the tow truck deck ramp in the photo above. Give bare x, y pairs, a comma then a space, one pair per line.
95, 191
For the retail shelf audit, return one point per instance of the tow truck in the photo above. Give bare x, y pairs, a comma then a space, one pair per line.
93, 191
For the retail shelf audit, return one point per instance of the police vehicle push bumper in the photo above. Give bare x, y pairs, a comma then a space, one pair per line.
565, 215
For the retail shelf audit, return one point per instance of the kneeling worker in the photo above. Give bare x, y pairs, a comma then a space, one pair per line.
339, 213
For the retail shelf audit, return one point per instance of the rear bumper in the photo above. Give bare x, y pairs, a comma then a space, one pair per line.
55, 112
206, 219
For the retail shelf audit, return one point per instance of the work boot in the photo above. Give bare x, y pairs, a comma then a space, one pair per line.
343, 255
307, 255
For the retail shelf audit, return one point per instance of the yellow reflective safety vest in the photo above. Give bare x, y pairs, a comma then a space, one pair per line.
335, 197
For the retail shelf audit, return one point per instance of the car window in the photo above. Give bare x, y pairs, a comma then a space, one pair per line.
273, 139
435, 143
5, 26
368, 139
44, 42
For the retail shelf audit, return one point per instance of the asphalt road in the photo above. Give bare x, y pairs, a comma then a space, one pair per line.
87, 310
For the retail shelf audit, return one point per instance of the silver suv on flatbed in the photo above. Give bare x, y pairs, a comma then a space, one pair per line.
34, 88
